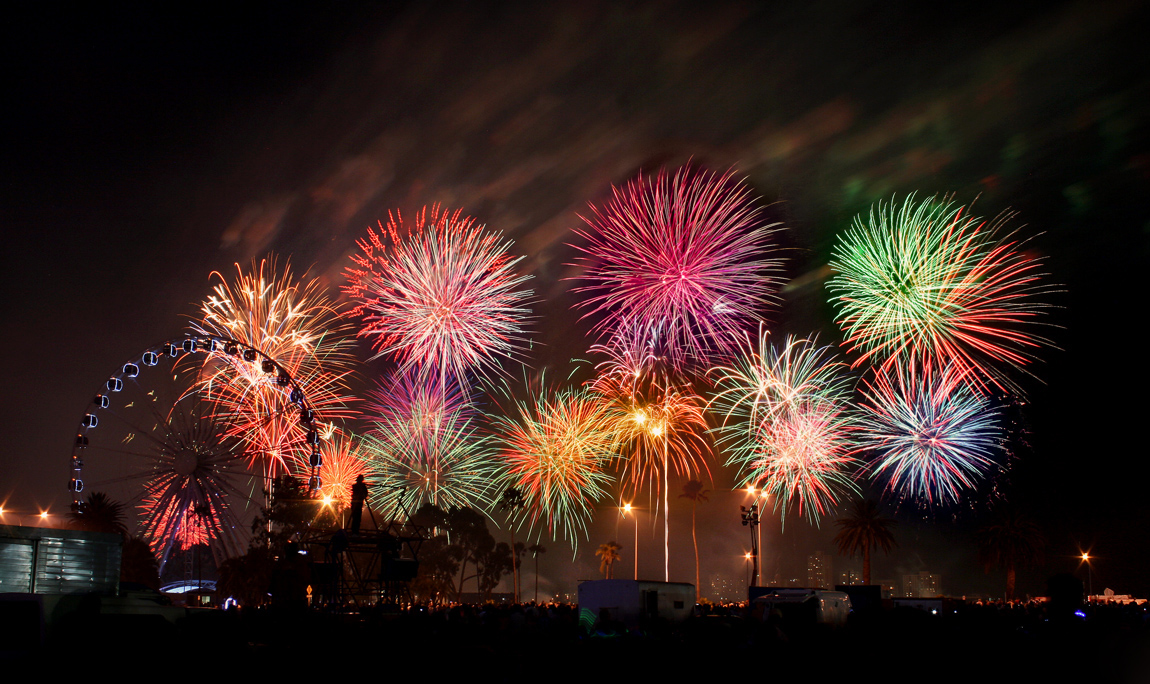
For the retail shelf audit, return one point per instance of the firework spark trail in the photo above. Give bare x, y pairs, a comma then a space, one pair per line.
554, 450
687, 255
443, 297
423, 450
293, 322
658, 417
785, 418
931, 284
170, 523
930, 435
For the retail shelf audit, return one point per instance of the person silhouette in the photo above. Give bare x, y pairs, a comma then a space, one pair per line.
358, 496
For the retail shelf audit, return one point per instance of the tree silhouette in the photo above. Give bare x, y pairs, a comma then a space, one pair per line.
510, 503
138, 564
864, 529
100, 514
609, 552
694, 491
1012, 541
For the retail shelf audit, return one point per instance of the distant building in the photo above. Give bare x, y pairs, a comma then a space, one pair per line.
851, 573
724, 588
925, 584
819, 571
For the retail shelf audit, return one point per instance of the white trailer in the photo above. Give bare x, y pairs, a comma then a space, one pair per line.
635, 603
807, 606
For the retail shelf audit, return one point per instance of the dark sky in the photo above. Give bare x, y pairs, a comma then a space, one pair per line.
145, 150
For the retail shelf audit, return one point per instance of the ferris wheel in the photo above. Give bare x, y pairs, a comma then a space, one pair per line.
174, 436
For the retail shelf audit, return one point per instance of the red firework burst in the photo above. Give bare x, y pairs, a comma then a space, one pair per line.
441, 296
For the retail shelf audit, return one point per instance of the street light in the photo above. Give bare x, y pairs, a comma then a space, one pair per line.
1089, 575
751, 519
758, 547
627, 508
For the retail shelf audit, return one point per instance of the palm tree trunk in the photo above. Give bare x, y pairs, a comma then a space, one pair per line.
866, 565
1010, 577
514, 566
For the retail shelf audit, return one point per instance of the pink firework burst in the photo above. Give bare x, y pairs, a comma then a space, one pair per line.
440, 293
687, 255
293, 321
803, 459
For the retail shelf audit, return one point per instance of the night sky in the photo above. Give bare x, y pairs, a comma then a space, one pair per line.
143, 151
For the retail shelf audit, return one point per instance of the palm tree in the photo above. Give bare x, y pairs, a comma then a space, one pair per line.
694, 491
1011, 541
864, 529
511, 501
609, 552
535, 550
99, 513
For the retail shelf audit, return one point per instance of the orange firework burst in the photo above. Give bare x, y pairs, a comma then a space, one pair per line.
661, 419
293, 322
342, 464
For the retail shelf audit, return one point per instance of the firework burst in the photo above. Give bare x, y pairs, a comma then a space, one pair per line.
784, 418
656, 414
768, 380
343, 462
293, 322
802, 457
554, 451
442, 296
929, 435
686, 255
425, 447
931, 284
194, 470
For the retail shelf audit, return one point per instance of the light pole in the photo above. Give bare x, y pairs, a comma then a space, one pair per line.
1089, 575
751, 519
627, 509
759, 545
